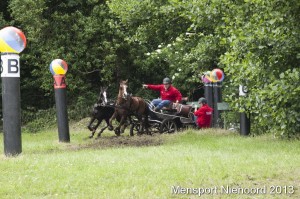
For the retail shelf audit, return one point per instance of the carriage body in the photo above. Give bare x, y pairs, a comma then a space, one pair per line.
168, 120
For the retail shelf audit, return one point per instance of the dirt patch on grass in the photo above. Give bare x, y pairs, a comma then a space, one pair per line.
121, 141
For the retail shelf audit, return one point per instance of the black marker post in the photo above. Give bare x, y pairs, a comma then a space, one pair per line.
212, 91
12, 42
208, 89
208, 93
58, 68
217, 76
11, 104
217, 93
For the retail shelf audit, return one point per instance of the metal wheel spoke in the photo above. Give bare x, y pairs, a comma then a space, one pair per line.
168, 126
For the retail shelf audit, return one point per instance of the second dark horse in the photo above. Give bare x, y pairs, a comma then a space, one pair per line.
101, 111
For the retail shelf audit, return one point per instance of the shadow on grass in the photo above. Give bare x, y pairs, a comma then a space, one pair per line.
120, 142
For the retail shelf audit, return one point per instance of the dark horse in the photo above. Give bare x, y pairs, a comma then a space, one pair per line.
126, 106
101, 111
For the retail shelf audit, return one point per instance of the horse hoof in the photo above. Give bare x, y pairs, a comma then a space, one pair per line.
110, 128
90, 136
90, 128
117, 133
98, 136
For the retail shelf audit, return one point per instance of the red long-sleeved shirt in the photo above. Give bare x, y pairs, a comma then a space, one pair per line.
204, 115
171, 94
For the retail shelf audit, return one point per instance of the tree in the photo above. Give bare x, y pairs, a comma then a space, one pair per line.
83, 33
263, 54
255, 41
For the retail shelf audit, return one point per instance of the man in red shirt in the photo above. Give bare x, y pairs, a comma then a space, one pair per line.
203, 114
168, 94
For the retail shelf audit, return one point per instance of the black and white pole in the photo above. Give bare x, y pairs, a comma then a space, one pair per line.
244, 118
59, 68
217, 93
208, 93
212, 91
12, 42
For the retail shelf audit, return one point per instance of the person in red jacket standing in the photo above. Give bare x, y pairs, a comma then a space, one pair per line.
168, 94
203, 114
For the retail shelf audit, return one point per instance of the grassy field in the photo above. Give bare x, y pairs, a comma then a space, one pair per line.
190, 164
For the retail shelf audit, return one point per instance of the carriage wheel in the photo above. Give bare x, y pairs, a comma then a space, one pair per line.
154, 127
135, 128
168, 126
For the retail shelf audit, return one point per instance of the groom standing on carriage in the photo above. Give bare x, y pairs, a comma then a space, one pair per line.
168, 94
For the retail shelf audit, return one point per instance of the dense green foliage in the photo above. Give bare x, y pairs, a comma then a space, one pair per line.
256, 42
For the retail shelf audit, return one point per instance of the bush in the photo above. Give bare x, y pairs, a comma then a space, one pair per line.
36, 120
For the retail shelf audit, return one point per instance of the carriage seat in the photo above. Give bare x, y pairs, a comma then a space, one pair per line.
170, 108
184, 110
181, 110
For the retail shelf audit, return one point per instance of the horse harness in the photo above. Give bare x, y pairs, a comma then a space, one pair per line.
124, 105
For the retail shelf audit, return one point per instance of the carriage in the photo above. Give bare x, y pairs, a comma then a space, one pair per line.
168, 120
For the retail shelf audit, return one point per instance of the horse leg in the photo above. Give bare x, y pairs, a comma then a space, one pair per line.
147, 125
126, 120
123, 128
143, 120
95, 128
146, 122
118, 128
110, 126
101, 131
90, 124
107, 125
141, 130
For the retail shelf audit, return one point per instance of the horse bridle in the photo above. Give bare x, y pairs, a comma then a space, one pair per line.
103, 100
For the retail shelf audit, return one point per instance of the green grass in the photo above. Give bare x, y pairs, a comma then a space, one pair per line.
148, 166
